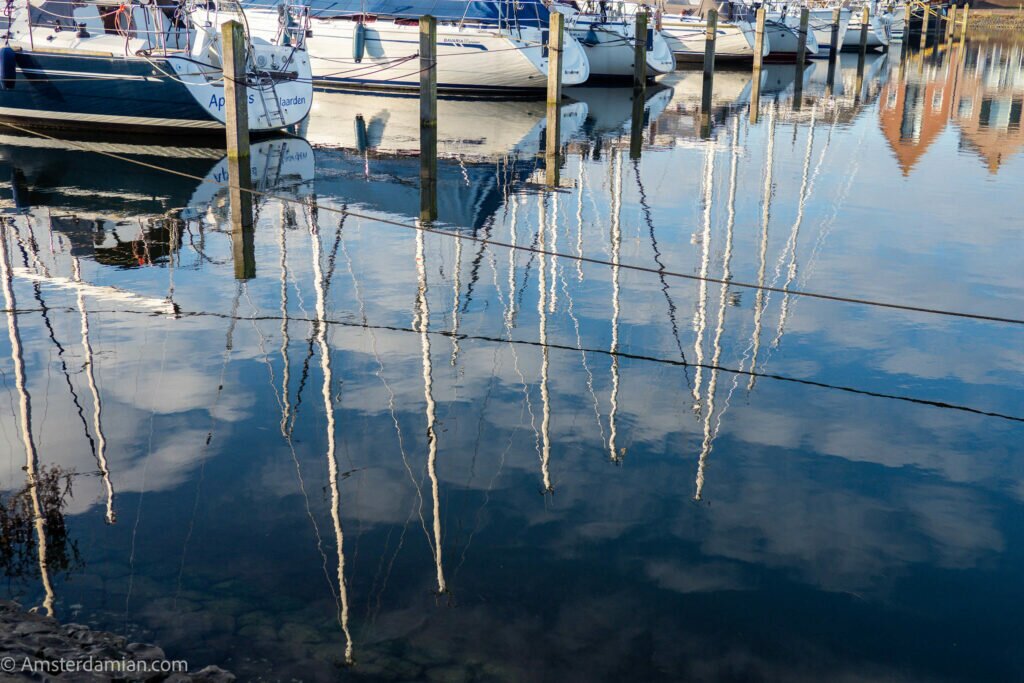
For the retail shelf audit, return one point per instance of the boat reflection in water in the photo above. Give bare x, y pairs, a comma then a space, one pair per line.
368, 152
402, 455
108, 210
610, 110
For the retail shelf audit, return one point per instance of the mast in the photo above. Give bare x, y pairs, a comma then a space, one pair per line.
766, 209
795, 233
332, 463
616, 239
554, 249
709, 437
542, 314
286, 406
456, 300
700, 319
25, 404
97, 406
421, 321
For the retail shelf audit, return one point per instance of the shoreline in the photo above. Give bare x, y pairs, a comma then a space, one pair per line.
35, 647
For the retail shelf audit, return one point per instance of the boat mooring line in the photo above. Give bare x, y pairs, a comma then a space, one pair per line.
562, 347
545, 252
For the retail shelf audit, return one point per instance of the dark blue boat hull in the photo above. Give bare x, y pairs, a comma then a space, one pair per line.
73, 90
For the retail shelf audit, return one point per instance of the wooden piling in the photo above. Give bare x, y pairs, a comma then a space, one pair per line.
236, 105
801, 43
553, 142
710, 40
640, 53
428, 118
710, 37
801, 59
963, 26
759, 40
636, 127
556, 36
865, 24
908, 23
834, 48
243, 233
925, 11
755, 95
236, 123
950, 23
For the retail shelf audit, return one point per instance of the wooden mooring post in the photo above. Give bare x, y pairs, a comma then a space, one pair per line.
553, 141
636, 126
236, 106
865, 24
925, 16
428, 118
755, 95
963, 26
908, 25
236, 123
801, 58
710, 37
950, 23
640, 53
833, 52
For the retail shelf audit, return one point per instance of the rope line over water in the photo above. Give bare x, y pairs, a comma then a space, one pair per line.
546, 252
558, 347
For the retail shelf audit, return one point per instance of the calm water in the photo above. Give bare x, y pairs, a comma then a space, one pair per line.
442, 460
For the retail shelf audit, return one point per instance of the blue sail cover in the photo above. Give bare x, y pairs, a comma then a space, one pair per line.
502, 13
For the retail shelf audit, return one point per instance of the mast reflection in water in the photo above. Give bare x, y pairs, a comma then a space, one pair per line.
592, 433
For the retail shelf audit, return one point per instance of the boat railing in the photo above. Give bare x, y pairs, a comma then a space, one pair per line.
158, 28
510, 15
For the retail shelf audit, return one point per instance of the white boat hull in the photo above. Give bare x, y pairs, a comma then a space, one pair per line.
470, 58
878, 32
782, 31
820, 23
610, 45
142, 81
686, 37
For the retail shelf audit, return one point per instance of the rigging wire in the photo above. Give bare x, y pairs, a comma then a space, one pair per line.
545, 252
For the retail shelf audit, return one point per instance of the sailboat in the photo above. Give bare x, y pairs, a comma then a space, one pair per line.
820, 24
878, 30
782, 29
607, 33
734, 39
77, 63
483, 46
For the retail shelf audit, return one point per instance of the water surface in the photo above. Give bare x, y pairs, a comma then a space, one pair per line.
398, 455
